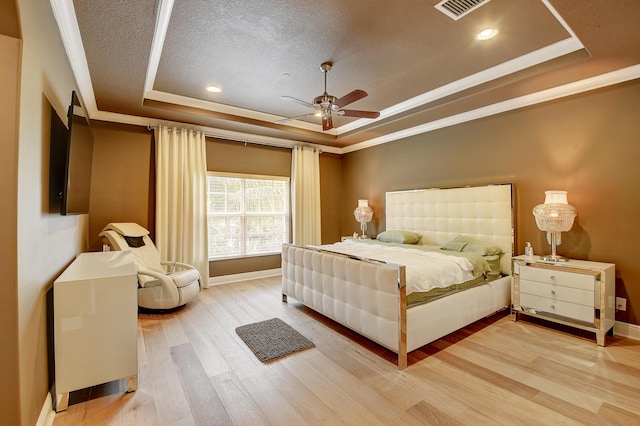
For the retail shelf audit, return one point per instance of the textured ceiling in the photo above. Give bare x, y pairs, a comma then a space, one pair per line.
258, 51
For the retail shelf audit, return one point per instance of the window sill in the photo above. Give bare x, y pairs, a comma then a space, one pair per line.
244, 256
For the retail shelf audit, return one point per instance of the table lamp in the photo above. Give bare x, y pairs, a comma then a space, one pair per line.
554, 216
363, 214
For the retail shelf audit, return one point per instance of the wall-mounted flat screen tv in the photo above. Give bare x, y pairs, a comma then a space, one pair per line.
71, 155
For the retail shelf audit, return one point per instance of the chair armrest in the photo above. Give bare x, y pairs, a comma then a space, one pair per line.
154, 274
176, 264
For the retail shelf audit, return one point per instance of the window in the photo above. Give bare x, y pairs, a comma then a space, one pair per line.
247, 215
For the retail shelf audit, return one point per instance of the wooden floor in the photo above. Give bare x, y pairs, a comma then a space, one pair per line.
194, 369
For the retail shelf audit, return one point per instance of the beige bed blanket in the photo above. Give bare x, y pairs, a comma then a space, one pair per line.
426, 269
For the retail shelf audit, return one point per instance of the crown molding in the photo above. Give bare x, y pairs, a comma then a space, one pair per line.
520, 63
569, 89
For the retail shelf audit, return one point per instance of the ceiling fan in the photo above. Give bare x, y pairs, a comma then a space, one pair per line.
327, 105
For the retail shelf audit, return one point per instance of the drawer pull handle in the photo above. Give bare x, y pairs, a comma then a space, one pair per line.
553, 277
553, 306
553, 292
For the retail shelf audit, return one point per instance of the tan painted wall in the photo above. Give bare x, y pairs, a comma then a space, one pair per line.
237, 157
47, 243
9, 337
9, 22
120, 186
330, 197
588, 145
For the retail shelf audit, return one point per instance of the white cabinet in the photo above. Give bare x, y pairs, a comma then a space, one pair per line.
577, 293
95, 315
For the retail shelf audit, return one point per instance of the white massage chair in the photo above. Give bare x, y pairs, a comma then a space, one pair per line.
161, 284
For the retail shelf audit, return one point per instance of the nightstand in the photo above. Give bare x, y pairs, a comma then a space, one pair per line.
577, 293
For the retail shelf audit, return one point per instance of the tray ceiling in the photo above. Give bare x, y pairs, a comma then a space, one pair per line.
149, 61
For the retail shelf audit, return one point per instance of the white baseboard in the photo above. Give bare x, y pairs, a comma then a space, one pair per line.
47, 414
226, 279
625, 329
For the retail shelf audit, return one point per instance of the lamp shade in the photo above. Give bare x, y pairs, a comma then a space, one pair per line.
363, 213
555, 215
555, 197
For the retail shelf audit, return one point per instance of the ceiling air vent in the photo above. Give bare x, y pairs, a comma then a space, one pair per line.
456, 9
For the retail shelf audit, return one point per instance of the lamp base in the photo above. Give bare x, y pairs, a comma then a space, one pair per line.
553, 258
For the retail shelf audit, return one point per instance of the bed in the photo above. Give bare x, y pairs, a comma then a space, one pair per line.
370, 296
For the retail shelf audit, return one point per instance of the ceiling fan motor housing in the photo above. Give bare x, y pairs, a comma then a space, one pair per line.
326, 66
325, 101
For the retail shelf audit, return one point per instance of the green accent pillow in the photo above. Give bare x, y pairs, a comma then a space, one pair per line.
477, 246
454, 245
399, 236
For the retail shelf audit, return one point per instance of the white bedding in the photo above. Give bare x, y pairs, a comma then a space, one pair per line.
424, 270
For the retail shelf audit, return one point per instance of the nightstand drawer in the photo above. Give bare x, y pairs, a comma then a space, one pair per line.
556, 292
561, 278
570, 310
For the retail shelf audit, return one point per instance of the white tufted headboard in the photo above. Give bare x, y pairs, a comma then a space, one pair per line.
481, 212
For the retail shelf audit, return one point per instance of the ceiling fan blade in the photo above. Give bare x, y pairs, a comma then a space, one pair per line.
284, 120
300, 101
350, 97
358, 113
327, 123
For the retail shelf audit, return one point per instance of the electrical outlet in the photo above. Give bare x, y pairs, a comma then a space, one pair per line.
621, 304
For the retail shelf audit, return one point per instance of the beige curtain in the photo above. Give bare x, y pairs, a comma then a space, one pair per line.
181, 198
305, 195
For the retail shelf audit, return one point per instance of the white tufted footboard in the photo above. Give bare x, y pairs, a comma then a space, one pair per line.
366, 296
370, 297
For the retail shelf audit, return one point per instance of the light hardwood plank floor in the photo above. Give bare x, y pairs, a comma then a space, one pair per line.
195, 370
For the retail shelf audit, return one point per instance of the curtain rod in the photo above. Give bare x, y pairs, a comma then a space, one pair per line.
244, 140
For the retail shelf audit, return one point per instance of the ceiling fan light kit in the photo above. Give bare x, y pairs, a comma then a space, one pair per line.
327, 105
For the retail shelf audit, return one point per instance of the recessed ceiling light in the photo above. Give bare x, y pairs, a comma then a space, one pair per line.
486, 34
213, 89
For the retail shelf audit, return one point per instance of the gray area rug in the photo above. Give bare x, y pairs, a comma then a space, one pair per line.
272, 339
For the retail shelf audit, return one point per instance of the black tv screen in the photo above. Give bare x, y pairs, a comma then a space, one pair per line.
71, 156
